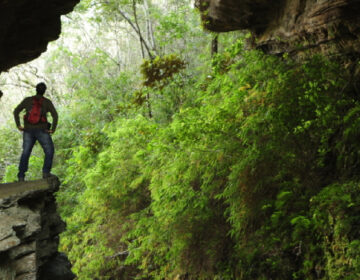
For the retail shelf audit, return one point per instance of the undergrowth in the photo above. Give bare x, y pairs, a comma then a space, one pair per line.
254, 176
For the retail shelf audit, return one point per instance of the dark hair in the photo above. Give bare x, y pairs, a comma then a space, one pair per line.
40, 88
1, 93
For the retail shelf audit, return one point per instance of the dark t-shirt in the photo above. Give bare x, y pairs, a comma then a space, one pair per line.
46, 107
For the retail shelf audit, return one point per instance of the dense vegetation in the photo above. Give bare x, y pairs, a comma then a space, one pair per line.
243, 166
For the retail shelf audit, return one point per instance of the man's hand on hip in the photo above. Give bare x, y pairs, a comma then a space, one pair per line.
21, 128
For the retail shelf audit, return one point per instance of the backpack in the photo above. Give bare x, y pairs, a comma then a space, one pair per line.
34, 115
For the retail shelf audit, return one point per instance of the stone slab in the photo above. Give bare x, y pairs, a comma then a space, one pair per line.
9, 243
26, 264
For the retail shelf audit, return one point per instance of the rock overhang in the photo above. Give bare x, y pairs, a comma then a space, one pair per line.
27, 26
327, 26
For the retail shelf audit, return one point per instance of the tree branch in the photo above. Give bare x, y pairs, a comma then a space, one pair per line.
137, 30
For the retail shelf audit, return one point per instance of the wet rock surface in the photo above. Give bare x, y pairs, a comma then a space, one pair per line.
26, 27
29, 232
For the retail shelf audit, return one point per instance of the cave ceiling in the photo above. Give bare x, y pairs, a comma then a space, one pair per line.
27, 26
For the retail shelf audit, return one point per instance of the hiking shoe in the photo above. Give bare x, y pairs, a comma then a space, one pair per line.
48, 175
21, 179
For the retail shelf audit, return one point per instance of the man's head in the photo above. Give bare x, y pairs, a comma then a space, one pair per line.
40, 88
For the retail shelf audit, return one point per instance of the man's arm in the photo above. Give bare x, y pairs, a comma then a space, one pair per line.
17, 111
54, 116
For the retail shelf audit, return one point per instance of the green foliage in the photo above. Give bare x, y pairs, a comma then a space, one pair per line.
10, 174
334, 215
156, 72
118, 174
34, 172
10, 148
236, 184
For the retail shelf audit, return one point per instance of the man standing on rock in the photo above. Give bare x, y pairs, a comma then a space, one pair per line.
36, 127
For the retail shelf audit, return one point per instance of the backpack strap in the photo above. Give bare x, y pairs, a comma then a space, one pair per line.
42, 117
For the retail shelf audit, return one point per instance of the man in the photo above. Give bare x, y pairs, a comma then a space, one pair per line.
36, 127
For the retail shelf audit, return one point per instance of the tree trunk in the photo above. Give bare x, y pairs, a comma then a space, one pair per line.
215, 45
149, 26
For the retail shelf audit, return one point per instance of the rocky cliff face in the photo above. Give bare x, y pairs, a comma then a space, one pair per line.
26, 27
328, 26
29, 232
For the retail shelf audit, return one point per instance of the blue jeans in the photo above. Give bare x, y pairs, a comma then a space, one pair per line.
29, 139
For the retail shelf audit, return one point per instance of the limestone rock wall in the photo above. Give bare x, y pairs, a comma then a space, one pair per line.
26, 27
327, 26
29, 232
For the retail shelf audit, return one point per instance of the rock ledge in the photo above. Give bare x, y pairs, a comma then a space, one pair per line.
29, 232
